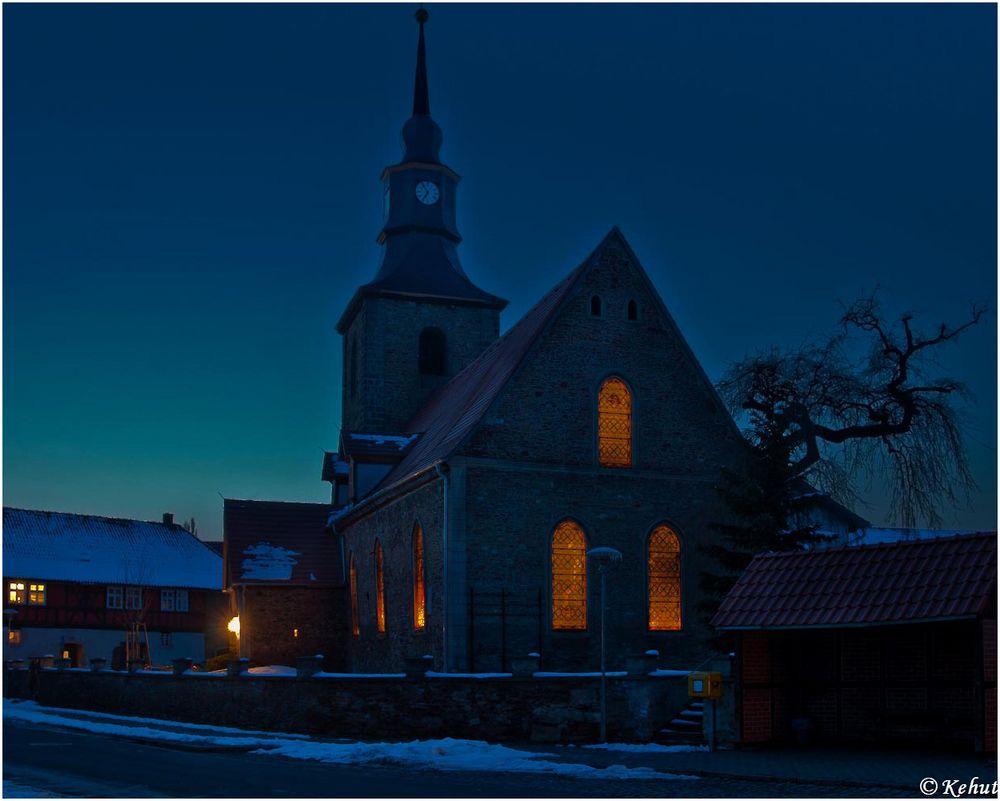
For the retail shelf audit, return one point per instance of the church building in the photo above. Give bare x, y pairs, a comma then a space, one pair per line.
476, 471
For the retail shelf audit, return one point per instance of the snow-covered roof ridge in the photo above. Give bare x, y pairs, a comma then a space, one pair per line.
65, 546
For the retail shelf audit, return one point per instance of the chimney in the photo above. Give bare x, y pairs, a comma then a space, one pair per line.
168, 518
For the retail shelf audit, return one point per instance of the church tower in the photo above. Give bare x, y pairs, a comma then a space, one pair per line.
421, 320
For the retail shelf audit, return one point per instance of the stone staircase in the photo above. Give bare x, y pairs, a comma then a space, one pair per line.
686, 728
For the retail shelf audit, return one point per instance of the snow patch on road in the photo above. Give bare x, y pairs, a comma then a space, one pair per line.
12, 789
450, 754
649, 748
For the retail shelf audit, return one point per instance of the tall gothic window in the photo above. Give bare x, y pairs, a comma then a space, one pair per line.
379, 589
355, 619
614, 424
595, 306
633, 311
664, 580
569, 577
433, 348
419, 595
354, 367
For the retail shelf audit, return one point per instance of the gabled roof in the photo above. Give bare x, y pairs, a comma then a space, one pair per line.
272, 542
59, 546
902, 582
454, 410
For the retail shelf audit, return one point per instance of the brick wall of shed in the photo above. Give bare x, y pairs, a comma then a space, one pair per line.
270, 616
891, 683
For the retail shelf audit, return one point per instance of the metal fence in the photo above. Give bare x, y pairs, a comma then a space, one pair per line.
501, 624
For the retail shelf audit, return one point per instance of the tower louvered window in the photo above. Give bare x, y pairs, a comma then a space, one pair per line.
614, 424
379, 589
419, 595
355, 619
664, 580
569, 577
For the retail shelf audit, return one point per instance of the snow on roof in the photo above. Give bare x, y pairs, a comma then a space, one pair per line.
59, 546
267, 562
384, 439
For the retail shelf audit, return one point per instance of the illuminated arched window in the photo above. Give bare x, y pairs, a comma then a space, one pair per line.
664, 580
433, 352
569, 577
614, 424
419, 595
355, 620
379, 589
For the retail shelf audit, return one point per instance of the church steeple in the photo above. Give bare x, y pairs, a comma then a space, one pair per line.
421, 135
420, 277
421, 98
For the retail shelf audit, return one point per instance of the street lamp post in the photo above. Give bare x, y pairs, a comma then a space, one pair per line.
607, 559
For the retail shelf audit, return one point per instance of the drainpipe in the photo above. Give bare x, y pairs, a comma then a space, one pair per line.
443, 474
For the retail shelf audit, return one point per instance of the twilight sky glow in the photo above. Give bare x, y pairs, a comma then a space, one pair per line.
191, 195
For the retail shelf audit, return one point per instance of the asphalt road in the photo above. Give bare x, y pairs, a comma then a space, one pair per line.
68, 763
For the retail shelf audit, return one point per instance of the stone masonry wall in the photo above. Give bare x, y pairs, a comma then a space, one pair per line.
511, 515
376, 708
548, 412
390, 388
393, 526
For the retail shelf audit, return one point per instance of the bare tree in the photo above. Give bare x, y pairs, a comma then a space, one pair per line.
840, 414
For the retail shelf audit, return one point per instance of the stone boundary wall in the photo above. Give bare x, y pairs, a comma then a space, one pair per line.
501, 708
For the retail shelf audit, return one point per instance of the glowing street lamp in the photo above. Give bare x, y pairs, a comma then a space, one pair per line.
607, 559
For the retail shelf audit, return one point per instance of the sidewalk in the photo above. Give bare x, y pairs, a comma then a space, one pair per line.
857, 767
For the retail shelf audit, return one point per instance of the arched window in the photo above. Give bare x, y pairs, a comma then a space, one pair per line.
664, 580
419, 595
354, 367
433, 350
614, 424
355, 620
379, 589
633, 311
569, 577
595, 306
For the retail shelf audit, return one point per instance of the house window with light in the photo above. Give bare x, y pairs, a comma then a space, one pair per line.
26, 592
355, 619
614, 424
664, 566
379, 589
13, 636
419, 593
569, 577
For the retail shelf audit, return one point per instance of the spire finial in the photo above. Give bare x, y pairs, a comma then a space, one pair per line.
421, 100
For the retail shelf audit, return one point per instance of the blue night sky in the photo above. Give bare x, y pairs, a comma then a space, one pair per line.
191, 195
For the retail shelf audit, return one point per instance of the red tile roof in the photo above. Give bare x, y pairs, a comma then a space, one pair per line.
270, 542
900, 582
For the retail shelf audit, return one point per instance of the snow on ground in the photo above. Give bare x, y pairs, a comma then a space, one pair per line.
447, 754
648, 748
272, 670
12, 789
31, 712
450, 754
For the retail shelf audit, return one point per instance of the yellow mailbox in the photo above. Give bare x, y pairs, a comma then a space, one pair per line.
705, 685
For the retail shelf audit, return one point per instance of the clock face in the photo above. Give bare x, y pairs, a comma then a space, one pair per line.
428, 193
